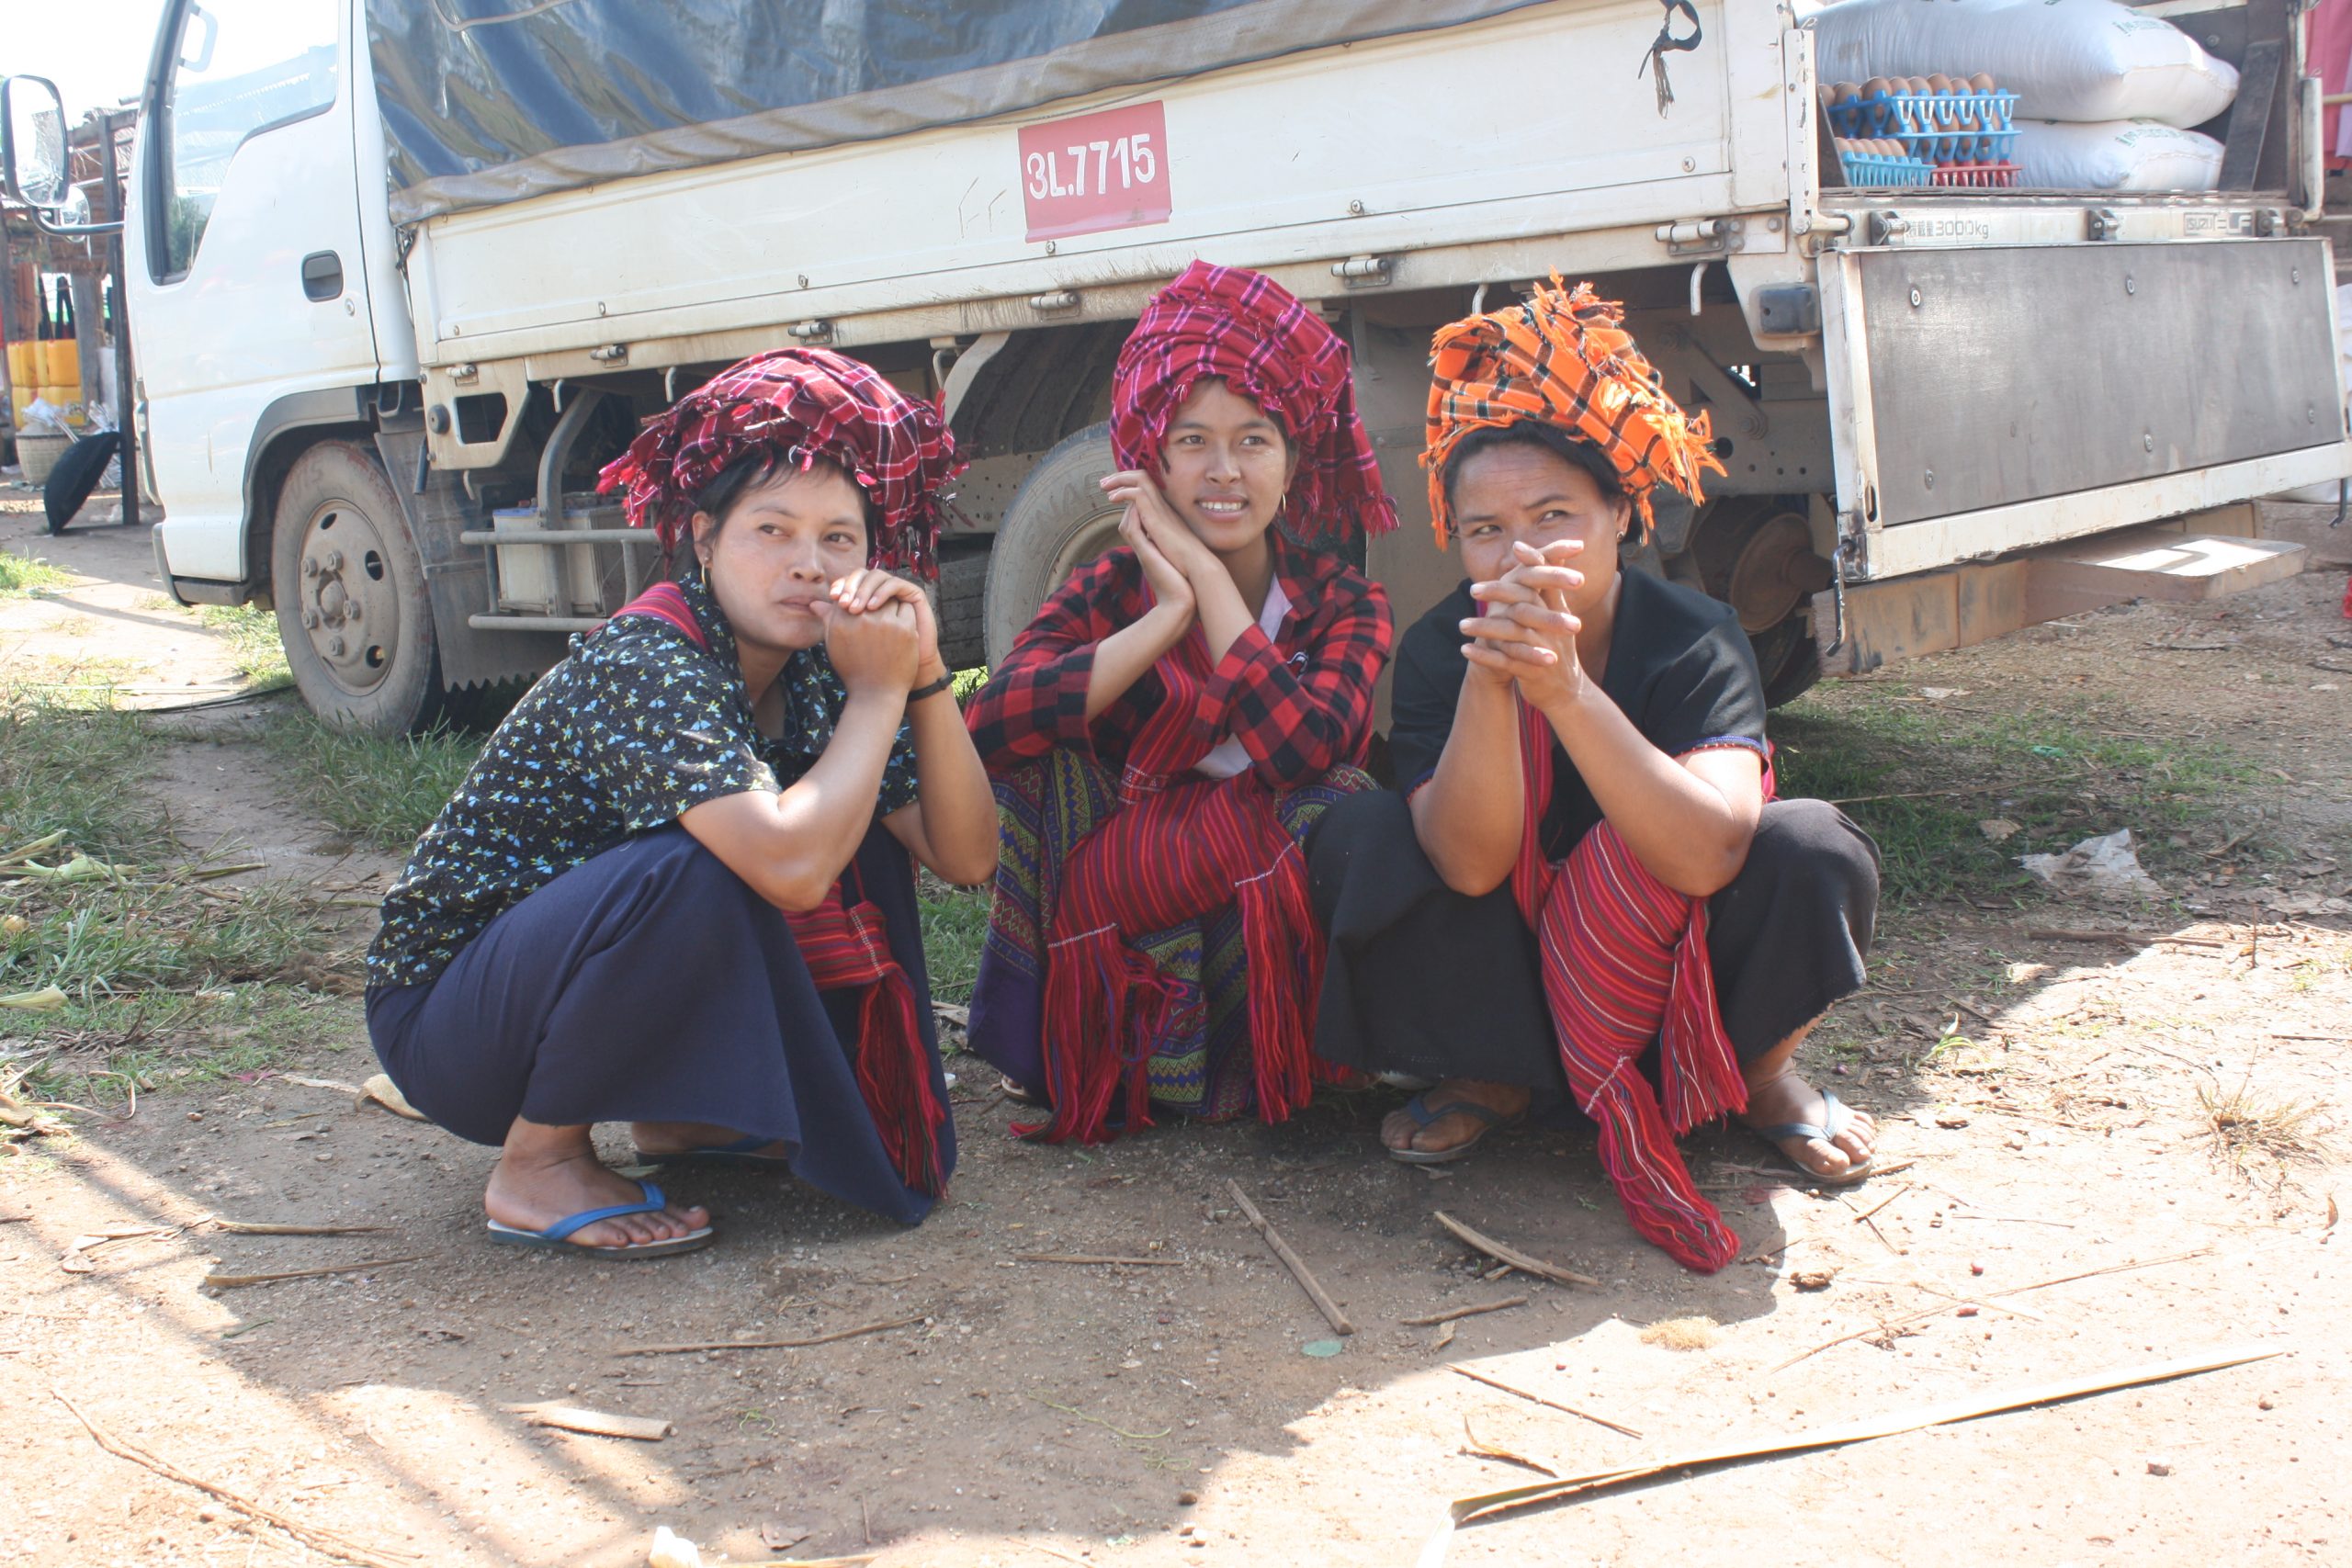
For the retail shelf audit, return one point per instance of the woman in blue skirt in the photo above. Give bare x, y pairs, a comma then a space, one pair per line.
676, 890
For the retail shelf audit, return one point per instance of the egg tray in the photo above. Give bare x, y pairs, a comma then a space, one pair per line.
1876, 169
2002, 176
1930, 124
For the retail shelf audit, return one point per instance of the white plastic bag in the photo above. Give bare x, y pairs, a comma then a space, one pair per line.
2106, 867
2075, 60
2124, 154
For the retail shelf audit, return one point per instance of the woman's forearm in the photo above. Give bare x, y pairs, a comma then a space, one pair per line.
791, 846
957, 830
1470, 814
1121, 659
1687, 831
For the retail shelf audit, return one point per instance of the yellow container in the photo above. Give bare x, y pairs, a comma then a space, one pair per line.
24, 366
61, 364
20, 397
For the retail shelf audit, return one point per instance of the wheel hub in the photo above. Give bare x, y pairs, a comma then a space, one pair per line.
348, 606
1775, 571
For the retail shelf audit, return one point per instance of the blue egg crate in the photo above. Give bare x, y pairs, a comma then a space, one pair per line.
1875, 169
1941, 128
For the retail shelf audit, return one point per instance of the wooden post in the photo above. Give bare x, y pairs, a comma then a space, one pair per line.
126, 397
12, 323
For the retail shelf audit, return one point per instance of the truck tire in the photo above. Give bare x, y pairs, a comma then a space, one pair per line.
349, 588
1057, 522
963, 588
1755, 553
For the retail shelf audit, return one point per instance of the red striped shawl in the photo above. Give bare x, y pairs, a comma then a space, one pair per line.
1626, 962
1177, 848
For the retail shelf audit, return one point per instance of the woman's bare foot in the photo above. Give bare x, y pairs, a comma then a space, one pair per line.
656, 1140
1784, 1098
544, 1175
1399, 1130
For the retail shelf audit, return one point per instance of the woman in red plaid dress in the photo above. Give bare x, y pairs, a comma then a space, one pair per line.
1179, 715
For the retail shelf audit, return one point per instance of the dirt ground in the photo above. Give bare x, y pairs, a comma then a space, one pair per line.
2061, 1205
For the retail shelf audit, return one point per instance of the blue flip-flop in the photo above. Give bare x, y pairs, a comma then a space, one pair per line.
1835, 1118
1422, 1112
743, 1154
556, 1236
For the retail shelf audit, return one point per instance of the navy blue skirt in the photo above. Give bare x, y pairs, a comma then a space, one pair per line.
652, 984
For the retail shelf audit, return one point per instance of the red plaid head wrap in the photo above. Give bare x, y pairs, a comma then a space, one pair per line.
1563, 359
1243, 327
800, 404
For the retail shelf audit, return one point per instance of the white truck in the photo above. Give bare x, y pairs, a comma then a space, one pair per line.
403, 273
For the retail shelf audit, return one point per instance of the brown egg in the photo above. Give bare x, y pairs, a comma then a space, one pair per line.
1875, 86
1982, 82
1939, 83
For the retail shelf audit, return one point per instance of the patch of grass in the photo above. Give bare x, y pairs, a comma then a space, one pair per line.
954, 924
23, 576
163, 975
384, 792
253, 646
2255, 1135
1682, 1333
1919, 776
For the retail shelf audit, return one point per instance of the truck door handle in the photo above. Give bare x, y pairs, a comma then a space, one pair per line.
322, 275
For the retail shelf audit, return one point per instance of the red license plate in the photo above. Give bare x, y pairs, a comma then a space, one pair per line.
1092, 172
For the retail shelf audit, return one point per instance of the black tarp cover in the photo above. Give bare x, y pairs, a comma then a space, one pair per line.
489, 101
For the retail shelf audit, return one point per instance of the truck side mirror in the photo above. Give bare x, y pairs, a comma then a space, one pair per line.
32, 143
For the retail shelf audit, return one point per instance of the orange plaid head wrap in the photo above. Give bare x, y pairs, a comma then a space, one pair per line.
1563, 359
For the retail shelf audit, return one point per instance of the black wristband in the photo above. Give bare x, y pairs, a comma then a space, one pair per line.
932, 690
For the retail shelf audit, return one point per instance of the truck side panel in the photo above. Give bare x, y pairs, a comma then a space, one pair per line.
2023, 380
1527, 125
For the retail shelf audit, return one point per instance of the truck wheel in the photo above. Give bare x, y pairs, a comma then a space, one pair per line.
963, 588
349, 586
1057, 522
1755, 553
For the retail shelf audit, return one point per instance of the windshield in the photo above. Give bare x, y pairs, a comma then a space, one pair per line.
241, 67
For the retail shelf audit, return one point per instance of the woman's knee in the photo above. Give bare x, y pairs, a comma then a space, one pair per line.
684, 879
1812, 838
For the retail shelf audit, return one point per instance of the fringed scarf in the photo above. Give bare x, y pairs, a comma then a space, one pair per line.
846, 943
1624, 960
1563, 359
1175, 850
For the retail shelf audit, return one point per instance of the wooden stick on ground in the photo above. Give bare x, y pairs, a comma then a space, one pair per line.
1291, 1260
1466, 1509
1437, 1317
771, 1343
246, 1227
328, 1541
2136, 939
1519, 1260
233, 1282
1539, 1399
595, 1423
1090, 1257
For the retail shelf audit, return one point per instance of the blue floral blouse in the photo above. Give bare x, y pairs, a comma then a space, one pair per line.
635, 727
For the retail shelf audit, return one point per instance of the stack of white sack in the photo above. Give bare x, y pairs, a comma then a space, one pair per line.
2066, 60
2123, 155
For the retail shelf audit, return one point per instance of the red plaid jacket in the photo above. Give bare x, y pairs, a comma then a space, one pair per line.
1300, 703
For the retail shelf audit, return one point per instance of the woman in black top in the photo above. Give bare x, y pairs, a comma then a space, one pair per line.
1645, 698
675, 889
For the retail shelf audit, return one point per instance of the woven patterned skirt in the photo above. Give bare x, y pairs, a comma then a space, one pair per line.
1199, 1064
